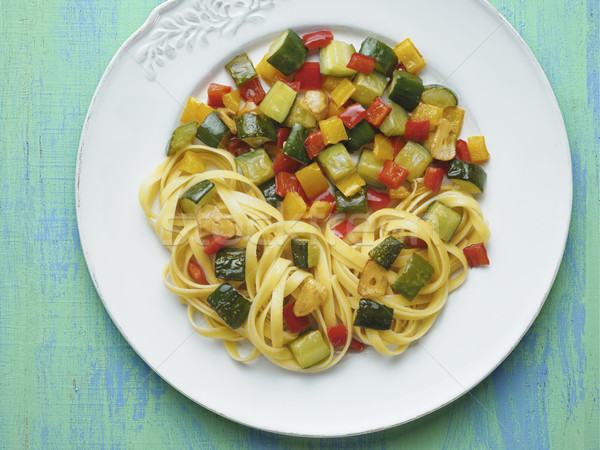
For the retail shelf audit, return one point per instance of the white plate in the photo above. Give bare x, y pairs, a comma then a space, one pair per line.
469, 47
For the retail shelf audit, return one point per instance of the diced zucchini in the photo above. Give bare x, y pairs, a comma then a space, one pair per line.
415, 158
241, 69
287, 53
354, 204
197, 196
335, 57
337, 162
268, 190
437, 95
278, 102
256, 165
230, 305
373, 315
309, 349
385, 58
470, 177
395, 121
255, 129
213, 131
368, 87
386, 252
361, 134
369, 168
300, 115
443, 219
182, 137
305, 253
294, 144
230, 264
415, 275
406, 89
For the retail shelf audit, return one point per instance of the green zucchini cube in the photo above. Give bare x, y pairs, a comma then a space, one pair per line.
415, 275
337, 162
368, 87
230, 305
415, 158
255, 129
395, 122
197, 196
305, 253
369, 168
385, 57
373, 315
268, 190
256, 165
213, 131
294, 144
241, 69
406, 89
230, 264
386, 252
361, 134
355, 204
334, 58
309, 349
470, 177
278, 102
287, 53
443, 219
182, 137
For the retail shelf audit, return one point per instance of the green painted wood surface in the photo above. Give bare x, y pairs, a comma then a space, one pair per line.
69, 379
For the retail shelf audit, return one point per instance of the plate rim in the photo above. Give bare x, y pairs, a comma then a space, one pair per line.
152, 18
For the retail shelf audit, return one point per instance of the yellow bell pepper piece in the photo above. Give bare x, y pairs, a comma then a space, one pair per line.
477, 149
267, 72
383, 148
312, 180
455, 115
408, 54
351, 184
333, 110
330, 83
333, 130
195, 111
428, 112
191, 163
293, 206
343, 92
232, 101
319, 210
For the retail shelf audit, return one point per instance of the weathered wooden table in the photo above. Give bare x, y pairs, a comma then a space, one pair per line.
69, 379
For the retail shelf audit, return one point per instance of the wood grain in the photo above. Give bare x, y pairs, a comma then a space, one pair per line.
69, 379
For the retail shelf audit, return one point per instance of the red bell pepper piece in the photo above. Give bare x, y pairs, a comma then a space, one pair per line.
398, 144
414, 242
377, 200
295, 85
293, 322
317, 39
282, 135
284, 163
314, 143
433, 178
309, 76
252, 90
337, 335
416, 130
357, 345
328, 197
377, 112
401, 66
236, 146
392, 174
362, 63
213, 243
352, 115
195, 271
462, 150
287, 182
476, 255
343, 229
215, 94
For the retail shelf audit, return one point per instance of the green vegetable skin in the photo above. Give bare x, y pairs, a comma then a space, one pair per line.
230, 264
470, 177
197, 196
395, 122
305, 253
213, 130
361, 134
438, 95
354, 204
443, 219
294, 144
268, 190
415, 275
337, 162
255, 129
256, 165
182, 137
309, 349
406, 89
415, 158
241, 69
230, 305
373, 315
386, 252
287, 53
385, 58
